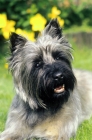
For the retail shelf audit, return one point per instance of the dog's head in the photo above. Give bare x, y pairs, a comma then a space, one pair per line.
42, 69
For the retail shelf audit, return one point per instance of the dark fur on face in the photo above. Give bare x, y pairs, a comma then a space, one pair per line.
41, 67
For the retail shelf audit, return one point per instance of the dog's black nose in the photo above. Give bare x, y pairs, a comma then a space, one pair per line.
57, 76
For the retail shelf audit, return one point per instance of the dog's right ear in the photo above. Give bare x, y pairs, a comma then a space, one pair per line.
16, 41
53, 29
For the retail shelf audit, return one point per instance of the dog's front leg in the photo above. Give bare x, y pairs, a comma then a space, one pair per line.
62, 138
7, 135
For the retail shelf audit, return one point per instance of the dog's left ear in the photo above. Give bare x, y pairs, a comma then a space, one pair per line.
16, 41
53, 29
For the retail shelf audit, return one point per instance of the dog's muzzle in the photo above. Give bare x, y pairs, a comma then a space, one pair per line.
59, 86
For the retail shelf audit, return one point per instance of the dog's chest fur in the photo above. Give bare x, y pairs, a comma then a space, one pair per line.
56, 126
49, 127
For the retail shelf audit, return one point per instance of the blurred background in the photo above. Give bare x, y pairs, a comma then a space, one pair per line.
28, 18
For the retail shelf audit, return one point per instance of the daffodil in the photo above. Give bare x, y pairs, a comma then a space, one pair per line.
3, 20
54, 12
38, 22
6, 65
29, 35
8, 28
61, 21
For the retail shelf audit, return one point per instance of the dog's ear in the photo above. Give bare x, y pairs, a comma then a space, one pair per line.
16, 41
53, 29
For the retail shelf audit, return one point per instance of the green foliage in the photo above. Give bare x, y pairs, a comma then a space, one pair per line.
76, 14
27, 17
20, 11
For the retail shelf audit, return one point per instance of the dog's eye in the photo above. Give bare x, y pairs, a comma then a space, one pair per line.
58, 58
38, 64
57, 55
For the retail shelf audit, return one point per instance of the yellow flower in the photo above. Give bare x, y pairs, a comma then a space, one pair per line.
38, 22
3, 20
29, 35
8, 28
54, 12
6, 66
61, 21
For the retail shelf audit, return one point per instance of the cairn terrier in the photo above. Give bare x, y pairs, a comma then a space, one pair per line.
51, 99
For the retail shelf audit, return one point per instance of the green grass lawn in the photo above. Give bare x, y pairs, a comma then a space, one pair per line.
82, 60
6, 91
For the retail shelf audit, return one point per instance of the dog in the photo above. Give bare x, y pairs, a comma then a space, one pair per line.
51, 99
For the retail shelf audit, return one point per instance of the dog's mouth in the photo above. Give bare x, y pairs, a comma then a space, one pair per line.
59, 89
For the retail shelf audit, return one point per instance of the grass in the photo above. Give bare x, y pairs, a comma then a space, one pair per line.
82, 57
82, 28
82, 60
6, 93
